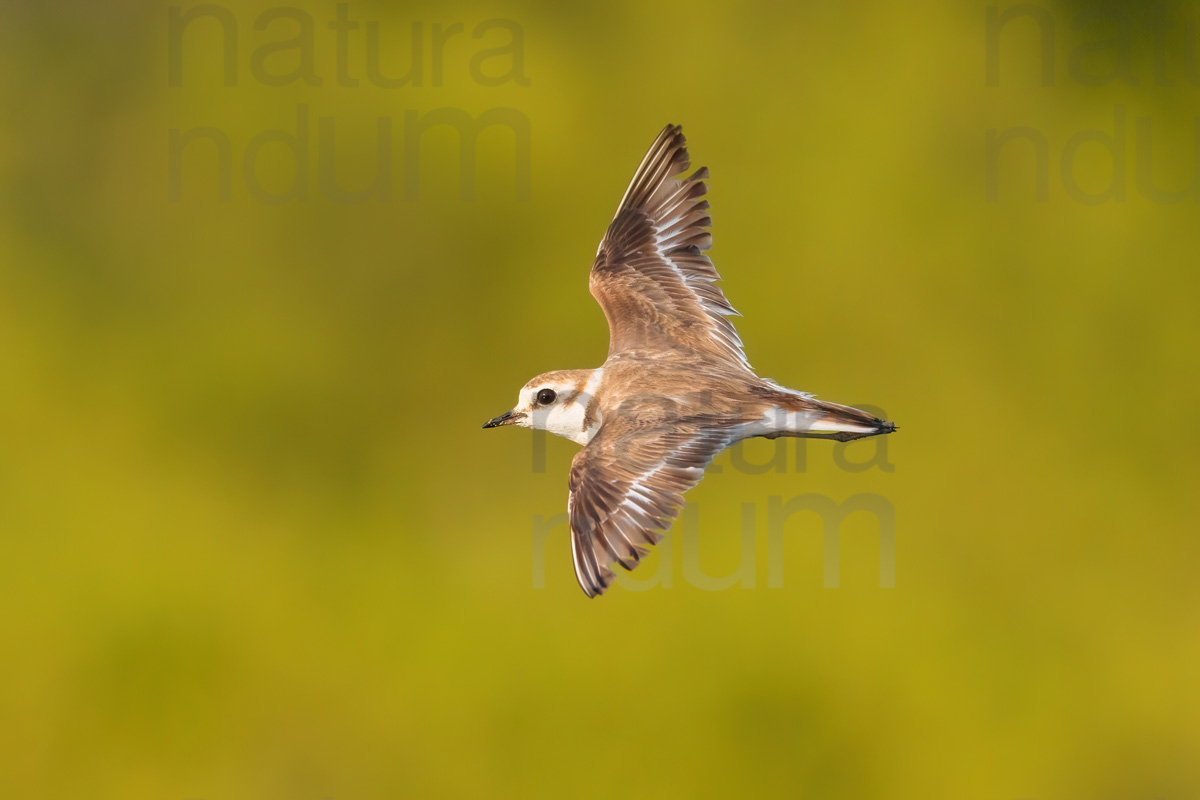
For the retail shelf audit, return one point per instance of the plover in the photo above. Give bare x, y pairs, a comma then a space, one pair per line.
676, 388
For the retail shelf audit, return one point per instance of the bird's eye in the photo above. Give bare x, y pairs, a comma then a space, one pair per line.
546, 396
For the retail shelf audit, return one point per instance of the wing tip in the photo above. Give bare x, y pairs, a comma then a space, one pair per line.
667, 158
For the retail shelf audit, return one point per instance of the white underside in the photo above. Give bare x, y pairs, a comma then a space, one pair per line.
567, 421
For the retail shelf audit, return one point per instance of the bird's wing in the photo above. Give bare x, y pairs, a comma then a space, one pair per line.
651, 276
627, 484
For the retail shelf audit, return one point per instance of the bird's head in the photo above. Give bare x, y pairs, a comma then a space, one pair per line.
562, 402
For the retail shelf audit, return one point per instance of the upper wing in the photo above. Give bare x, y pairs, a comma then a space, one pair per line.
650, 276
627, 484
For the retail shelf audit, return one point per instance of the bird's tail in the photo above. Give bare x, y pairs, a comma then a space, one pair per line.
838, 418
803, 415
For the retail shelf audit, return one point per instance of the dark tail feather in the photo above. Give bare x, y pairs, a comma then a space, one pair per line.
836, 417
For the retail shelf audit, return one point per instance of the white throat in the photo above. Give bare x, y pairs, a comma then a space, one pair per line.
570, 420
565, 420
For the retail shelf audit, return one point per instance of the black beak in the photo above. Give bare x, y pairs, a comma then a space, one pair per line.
507, 418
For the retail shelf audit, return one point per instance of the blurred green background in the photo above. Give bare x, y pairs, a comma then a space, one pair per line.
255, 545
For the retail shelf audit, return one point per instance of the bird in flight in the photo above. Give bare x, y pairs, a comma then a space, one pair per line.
676, 388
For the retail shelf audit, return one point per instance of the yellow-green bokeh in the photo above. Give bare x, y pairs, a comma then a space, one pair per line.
254, 545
